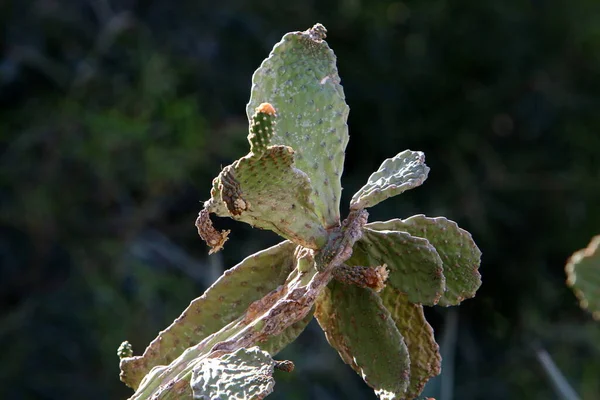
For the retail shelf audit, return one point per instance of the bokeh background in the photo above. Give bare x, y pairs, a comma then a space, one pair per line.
116, 115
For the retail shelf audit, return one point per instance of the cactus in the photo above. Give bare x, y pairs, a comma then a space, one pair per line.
221, 304
361, 329
458, 252
405, 171
583, 275
366, 283
243, 374
425, 360
300, 79
414, 264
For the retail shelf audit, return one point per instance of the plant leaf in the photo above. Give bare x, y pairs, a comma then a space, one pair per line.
300, 79
458, 251
361, 329
405, 171
415, 268
243, 374
425, 359
583, 272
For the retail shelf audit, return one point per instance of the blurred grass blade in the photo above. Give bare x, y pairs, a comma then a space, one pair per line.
559, 381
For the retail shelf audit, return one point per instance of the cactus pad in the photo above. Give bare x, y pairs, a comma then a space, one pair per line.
300, 79
415, 268
270, 193
405, 171
243, 374
458, 251
227, 299
361, 329
425, 359
583, 272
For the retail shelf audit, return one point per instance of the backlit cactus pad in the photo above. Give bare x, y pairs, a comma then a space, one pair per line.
583, 275
366, 283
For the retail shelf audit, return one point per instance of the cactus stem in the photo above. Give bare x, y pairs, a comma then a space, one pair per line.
209, 234
341, 239
365, 277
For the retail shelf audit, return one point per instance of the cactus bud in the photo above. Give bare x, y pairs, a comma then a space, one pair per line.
262, 126
125, 350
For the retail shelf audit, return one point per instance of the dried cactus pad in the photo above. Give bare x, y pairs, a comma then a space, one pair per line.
243, 374
226, 300
270, 193
405, 171
583, 272
361, 329
415, 268
425, 359
458, 251
300, 79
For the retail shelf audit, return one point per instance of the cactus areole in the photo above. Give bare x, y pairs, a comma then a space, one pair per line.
366, 284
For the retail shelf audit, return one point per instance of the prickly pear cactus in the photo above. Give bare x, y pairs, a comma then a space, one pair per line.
243, 374
405, 171
366, 283
583, 275
300, 79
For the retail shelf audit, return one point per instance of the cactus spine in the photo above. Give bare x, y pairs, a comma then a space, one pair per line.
365, 283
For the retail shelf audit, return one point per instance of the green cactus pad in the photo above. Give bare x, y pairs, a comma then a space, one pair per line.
456, 247
243, 374
269, 193
405, 171
425, 359
415, 268
261, 128
300, 79
227, 299
583, 272
361, 329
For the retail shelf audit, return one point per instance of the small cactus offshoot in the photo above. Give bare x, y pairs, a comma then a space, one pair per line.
365, 283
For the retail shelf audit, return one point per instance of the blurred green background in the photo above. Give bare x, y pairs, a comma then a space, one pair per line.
116, 115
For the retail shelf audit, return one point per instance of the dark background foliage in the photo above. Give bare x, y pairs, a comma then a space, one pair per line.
116, 115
